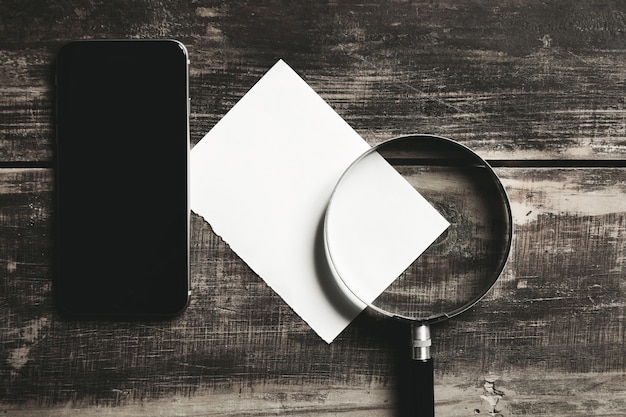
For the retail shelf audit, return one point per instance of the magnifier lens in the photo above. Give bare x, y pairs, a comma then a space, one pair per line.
462, 264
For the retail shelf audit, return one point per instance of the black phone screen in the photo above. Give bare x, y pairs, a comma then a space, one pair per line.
122, 171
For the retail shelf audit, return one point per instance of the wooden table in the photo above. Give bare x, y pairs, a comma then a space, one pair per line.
538, 88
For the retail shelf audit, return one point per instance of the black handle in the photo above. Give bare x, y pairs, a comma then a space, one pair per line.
422, 371
422, 375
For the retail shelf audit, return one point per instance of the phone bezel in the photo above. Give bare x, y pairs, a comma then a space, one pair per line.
181, 286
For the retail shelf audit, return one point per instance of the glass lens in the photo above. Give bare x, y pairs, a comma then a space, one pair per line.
463, 263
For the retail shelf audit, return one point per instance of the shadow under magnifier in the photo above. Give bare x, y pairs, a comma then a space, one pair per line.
336, 292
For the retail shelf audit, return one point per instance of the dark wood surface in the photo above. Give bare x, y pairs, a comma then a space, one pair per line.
539, 88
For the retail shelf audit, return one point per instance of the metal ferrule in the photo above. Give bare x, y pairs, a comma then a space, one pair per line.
420, 337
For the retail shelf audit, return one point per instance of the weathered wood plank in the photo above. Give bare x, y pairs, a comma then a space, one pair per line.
552, 330
511, 79
551, 396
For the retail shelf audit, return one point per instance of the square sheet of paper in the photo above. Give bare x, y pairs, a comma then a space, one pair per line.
262, 178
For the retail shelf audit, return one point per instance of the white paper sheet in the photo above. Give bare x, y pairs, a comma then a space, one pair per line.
262, 178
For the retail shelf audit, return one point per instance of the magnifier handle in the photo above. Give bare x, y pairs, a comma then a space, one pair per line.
424, 388
422, 371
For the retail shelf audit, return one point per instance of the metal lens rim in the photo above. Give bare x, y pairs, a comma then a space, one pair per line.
496, 272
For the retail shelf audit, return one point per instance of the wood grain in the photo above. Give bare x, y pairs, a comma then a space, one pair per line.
515, 80
551, 331
512, 79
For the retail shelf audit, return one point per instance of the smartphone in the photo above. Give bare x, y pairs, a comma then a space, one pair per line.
122, 153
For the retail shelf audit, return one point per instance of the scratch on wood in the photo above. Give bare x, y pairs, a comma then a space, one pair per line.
28, 335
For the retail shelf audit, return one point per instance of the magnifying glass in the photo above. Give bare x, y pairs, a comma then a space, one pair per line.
457, 270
